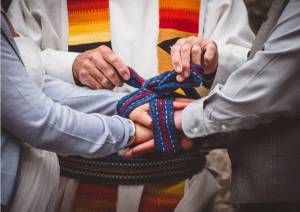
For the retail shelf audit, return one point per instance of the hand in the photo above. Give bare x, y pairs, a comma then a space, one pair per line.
193, 50
142, 134
100, 68
149, 146
141, 114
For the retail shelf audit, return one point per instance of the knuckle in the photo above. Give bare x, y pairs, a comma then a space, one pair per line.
83, 74
122, 70
105, 82
94, 56
180, 41
174, 48
196, 49
111, 74
85, 63
213, 46
103, 66
103, 49
185, 48
113, 58
192, 38
99, 77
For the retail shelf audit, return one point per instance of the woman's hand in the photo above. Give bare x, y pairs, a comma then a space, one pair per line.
142, 116
149, 146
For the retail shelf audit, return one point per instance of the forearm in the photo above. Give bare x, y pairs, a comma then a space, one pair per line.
34, 118
262, 90
226, 23
59, 64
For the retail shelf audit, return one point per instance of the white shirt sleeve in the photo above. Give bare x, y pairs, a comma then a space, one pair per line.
59, 64
42, 22
226, 22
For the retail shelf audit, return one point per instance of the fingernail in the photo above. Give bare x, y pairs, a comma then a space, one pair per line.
178, 69
186, 74
126, 76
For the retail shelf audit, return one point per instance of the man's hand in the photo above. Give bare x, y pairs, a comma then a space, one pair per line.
100, 68
141, 114
149, 146
193, 50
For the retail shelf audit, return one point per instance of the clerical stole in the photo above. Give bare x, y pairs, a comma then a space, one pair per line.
89, 25
177, 19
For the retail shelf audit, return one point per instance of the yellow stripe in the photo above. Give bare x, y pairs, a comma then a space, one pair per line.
166, 34
89, 33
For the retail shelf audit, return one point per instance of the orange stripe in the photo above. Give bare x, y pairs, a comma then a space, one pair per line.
88, 21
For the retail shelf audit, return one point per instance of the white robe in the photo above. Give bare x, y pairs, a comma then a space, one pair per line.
134, 31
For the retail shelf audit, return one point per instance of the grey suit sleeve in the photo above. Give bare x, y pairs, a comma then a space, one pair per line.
32, 117
261, 90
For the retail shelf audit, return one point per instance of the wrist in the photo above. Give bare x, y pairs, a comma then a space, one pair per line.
133, 133
74, 68
209, 78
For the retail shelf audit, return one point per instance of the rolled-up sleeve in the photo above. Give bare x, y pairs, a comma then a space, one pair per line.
32, 117
261, 90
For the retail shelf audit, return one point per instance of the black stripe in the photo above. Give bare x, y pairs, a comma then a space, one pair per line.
87, 46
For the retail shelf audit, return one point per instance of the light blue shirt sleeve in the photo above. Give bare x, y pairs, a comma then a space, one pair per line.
28, 114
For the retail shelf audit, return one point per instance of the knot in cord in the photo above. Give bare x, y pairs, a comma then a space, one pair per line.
159, 92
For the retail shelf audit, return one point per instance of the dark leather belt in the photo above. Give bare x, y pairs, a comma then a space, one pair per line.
118, 170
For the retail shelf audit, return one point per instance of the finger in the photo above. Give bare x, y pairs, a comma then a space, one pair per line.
186, 143
179, 78
106, 83
91, 82
196, 53
143, 148
115, 61
184, 100
210, 53
185, 53
97, 75
175, 58
142, 117
109, 72
118, 64
177, 119
180, 105
175, 55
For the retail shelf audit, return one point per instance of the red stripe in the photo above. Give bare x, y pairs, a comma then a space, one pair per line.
163, 126
77, 5
181, 19
182, 25
179, 13
133, 99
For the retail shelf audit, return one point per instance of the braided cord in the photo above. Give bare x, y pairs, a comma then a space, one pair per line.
160, 92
